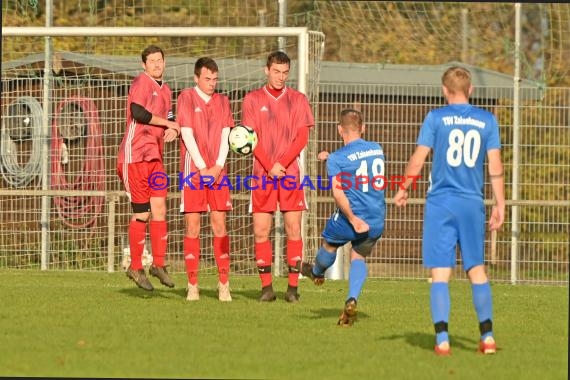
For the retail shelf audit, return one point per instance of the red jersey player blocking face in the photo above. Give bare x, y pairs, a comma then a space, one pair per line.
282, 117
150, 123
206, 119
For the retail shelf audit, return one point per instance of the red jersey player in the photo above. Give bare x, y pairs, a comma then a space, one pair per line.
281, 116
206, 118
149, 124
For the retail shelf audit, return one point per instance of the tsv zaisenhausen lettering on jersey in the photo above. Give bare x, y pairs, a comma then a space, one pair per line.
460, 120
364, 153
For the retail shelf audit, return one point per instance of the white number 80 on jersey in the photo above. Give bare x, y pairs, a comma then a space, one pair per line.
463, 147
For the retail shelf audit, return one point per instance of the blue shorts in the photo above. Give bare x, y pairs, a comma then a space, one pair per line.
338, 231
450, 221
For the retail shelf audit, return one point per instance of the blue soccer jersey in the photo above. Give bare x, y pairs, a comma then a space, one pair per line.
359, 167
460, 136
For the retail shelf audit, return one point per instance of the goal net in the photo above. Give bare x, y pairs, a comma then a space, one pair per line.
63, 118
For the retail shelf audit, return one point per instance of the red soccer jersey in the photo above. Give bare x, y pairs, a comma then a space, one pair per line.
275, 120
207, 121
144, 142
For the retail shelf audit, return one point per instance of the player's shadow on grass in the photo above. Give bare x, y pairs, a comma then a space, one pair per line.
427, 341
332, 313
252, 294
205, 293
141, 293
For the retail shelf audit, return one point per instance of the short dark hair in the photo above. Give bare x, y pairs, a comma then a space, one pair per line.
278, 57
151, 50
206, 62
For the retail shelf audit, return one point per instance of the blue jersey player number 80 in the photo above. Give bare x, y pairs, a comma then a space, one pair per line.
461, 136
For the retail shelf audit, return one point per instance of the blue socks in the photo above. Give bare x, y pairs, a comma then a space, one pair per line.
440, 305
356, 277
483, 303
323, 261
357, 274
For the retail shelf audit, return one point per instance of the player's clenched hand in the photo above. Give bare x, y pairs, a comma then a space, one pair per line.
170, 135
215, 172
497, 218
359, 225
172, 131
323, 156
401, 198
277, 171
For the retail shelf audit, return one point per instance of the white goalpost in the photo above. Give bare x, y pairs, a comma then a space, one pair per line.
90, 76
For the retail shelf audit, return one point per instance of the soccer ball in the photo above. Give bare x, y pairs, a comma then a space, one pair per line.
242, 140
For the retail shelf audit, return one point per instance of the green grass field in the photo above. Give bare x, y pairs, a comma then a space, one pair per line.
75, 324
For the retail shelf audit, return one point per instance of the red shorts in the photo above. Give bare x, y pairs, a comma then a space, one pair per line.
204, 198
143, 180
265, 195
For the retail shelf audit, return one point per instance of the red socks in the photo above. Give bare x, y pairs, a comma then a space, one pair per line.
294, 254
192, 258
158, 241
263, 257
222, 256
137, 236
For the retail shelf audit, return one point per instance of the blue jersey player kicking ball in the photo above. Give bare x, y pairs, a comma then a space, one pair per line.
357, 174
461, 136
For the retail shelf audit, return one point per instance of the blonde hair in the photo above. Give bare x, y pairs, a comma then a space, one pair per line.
457, 79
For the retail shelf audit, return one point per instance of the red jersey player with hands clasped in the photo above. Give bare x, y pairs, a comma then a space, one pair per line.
206, 118
282, 117
150, 122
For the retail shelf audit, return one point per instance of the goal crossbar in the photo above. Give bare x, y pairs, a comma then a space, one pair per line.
301, 33
79, 31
